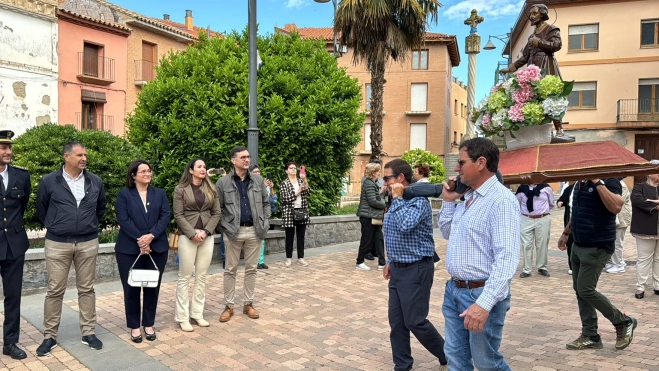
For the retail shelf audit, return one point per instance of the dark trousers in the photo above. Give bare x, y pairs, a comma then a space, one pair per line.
569, 243
291, 232
11, 271
587, 265
371, 240
134, 309
409, 302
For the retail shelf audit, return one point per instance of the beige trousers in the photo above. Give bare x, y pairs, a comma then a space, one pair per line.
647, 263
535, 236
197, 257
246, 240
617, 258
59, 256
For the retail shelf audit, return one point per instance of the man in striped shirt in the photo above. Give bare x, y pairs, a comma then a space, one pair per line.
483, 253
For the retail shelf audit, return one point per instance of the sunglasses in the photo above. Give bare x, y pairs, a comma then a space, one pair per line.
386, 178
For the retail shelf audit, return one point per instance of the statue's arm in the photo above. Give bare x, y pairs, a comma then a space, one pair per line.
522, 61
552, 43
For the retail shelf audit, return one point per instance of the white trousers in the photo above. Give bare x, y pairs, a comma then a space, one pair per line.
197, 257
617, 259
647, 263
535, 236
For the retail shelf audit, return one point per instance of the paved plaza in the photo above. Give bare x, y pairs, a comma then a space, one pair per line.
330, 316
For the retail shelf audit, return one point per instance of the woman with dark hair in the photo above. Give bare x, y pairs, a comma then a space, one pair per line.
645, 218
143, 214
295, 212
421, 173
197, 212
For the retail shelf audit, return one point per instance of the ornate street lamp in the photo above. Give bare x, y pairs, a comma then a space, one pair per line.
335, 3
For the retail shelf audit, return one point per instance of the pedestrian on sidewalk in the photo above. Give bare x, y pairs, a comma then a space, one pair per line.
274, 206
245, 222
143, 214
371, 255
16, 190
410, 270
617, 264
197, 212
483, 253
645, 217
70, 203
371, 213
566, 201
536, 202
595, 204
295, 211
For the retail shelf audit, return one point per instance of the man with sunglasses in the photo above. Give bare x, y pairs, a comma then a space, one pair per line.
410, 247
482, 256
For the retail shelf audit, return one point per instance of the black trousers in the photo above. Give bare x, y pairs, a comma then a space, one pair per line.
134, 309
409, 303
298, 230
371, 240
11, 270
570, 241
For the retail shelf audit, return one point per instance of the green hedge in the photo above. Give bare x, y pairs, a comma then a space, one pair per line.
419, 156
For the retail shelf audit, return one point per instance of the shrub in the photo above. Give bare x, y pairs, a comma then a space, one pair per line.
419, 156
198, 107
39, 150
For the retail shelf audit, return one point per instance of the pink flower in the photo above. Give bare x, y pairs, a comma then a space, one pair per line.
515, 113
487, 119
496, 88
528, 74
523, 95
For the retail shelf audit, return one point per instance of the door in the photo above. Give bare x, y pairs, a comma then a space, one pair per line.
90, 60
648, 99
88, 120
646, 146
148, 61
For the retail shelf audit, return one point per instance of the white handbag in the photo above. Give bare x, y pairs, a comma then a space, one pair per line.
143, 277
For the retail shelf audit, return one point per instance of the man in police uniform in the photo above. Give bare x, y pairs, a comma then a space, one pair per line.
15, 191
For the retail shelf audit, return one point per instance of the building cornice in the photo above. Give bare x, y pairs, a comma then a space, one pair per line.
43, 9
85, 21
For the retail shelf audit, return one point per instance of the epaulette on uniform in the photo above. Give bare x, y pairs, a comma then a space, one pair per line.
19, 167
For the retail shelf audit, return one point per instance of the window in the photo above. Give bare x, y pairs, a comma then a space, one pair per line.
149, 58
419, 97
418, 136
368, 97
583, 37
584, 95
455, 107
462, 110
367, 137
455, 137
650, 32
420, 60
461, 136
90, 59
648, 96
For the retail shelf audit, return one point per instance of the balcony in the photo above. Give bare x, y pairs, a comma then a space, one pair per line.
638, 113
94, 122
95, 69
145, 71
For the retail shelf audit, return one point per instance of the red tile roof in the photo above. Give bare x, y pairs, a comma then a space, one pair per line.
181, 26
114, 25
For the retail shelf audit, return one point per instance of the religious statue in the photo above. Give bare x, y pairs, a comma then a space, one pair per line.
539, 51
474, 21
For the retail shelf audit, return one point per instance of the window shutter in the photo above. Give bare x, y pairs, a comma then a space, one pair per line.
583, 86
419, 97
648, 82
418, 136
583, 29
367, 137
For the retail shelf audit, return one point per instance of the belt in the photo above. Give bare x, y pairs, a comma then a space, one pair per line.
246, 224
535, 216
403, 265
468, 284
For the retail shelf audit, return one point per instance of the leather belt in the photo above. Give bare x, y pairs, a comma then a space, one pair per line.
535, 216
404, 265
468, 284
246, 224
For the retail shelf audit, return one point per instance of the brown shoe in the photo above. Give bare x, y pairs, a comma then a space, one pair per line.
249, 310
227, 314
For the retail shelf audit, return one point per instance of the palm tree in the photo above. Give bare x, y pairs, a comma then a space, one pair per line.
377, 30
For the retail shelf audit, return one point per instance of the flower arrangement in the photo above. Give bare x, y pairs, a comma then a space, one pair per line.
525, 99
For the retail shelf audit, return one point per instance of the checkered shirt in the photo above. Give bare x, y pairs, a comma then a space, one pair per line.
408, 230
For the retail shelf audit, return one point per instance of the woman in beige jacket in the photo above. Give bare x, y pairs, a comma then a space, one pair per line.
197, 212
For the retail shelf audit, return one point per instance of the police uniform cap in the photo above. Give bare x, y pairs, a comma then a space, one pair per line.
5, 136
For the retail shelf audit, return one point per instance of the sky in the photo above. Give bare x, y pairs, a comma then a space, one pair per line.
227, 15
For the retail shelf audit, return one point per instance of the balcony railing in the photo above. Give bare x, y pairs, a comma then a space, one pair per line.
497, 76
94, 122
638, 110
145, 71
95, 69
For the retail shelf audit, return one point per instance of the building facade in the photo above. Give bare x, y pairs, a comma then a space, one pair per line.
459, 113
418, 99
611, 52
28, 64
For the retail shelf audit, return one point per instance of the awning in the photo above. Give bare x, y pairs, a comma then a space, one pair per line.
93, 96
550, 163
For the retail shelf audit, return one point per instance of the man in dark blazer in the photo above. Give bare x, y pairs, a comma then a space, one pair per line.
15, 189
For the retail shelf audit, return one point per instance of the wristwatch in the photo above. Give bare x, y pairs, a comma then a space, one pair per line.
599, 183
397, 198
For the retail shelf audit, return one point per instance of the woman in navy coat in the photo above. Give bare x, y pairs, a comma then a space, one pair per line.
143, 214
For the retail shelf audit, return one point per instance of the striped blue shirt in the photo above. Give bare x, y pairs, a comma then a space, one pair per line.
408, 230
483, 239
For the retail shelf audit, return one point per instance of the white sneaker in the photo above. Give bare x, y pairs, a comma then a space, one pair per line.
363, 267
380, 267
302, 262
614, 269
569, 271
608, 266
287, 263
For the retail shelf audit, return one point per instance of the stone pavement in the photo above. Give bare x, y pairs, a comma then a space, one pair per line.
330, 316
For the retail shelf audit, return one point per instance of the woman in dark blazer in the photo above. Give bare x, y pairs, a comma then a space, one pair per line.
645, 218
143, 214
371, 206
294, 194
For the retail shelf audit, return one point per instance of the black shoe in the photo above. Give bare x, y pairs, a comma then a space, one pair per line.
369, 256
641, 295
135, 339
656, 292
524, 275
92, 341
46, 346
543, 272
262, 266
150, 337
14, 351
223, 264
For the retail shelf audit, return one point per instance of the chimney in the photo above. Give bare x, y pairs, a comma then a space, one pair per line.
166, 17
290, 26
189, 24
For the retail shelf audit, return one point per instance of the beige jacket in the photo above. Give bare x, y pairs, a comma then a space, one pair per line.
186, 217
625, 216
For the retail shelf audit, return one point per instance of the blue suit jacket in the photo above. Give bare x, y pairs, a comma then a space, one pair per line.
134, 221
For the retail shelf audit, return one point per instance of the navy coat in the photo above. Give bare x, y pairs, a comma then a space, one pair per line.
134, 221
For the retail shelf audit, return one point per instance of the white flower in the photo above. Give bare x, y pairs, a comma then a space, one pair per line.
555, 106
479, 121
483, 102
508, 85
497, 118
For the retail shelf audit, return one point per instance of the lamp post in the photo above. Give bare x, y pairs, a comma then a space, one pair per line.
252, 130
505, 39
472, 48
335, 3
